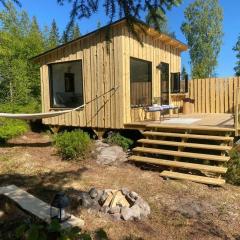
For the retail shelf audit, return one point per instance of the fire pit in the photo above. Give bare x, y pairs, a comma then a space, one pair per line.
119, 204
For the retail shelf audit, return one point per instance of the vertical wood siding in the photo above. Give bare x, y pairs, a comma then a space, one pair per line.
214, 95
106, 65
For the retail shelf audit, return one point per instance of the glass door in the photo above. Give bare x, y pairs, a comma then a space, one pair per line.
164, 83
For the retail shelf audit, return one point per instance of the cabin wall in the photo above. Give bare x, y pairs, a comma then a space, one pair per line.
102, 63
155, 51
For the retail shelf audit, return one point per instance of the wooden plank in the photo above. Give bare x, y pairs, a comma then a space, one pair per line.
203, 96
193, 178
221, 95
182, 154
185, 144
207, 95
217, 129
231, 106
190, 136
178, 164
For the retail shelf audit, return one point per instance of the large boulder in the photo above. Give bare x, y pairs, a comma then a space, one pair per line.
111, 155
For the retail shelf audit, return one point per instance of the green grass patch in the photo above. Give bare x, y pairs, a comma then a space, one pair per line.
73, 145
10, 128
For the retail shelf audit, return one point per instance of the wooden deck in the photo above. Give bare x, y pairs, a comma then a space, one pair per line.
219, 121
192, 147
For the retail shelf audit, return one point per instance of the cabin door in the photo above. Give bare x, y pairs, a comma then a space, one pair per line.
164, 83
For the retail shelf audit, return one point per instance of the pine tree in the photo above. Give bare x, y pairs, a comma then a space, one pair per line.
98, 24
65, 37
53, 39
236, 48
76, 32
203, 31
184, 73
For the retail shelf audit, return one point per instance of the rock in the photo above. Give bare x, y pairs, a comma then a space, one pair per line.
130, 199
105, 209
126, 213
135, 211
93, 192
124, 191
114, 210
85, 200
116, 216
145, 208
103, 198
110, 155
133, 195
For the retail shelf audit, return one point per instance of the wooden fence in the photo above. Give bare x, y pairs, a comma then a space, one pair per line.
214, 95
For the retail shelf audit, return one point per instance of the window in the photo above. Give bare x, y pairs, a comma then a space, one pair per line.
175, 82
179, 84
66, 84
141, 82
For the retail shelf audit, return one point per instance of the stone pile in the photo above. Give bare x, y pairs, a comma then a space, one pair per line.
120, 204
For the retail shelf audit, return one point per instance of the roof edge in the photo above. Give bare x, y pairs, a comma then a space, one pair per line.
185, 47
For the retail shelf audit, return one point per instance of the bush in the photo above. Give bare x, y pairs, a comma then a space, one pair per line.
10, 128
233, 173
72, 145
118, 139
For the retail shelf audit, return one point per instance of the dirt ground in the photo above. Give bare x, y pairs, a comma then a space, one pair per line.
179, 209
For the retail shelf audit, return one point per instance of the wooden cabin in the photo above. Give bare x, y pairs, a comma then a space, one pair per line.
113, 73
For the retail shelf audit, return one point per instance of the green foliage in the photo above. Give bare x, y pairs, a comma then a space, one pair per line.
203, 31
72, 145
10, 128
34, 231
20, 39
129, 9
71, 32
161, 23
233, 173
53, 39
118, 139
236, 48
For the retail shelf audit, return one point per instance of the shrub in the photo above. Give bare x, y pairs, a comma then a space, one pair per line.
233, 173
10, 128
72, 145
118, 139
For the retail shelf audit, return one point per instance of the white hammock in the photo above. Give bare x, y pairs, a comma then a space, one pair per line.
35, 116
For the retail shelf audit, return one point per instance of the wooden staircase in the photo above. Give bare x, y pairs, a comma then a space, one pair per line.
192, 153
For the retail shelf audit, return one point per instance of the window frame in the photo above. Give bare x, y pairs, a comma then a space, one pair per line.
150, 80
50, 80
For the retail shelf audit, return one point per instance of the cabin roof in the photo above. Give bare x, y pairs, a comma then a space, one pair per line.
151, 31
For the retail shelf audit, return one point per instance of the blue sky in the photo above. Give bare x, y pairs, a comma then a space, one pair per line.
46, 10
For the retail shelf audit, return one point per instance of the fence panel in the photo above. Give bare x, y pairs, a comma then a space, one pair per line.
214, 95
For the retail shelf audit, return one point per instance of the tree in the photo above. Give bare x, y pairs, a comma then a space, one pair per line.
236, 48
53, 38
129, 9
70, 33
162, 22
75, 32
184, 73
20, 39
203, 31
98, 24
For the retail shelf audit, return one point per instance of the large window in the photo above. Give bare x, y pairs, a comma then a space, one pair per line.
141, 82
66, 84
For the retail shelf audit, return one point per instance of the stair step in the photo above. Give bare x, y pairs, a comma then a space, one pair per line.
177, 164
191, 136
217, 129
193, 178
185, 144
182, 154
